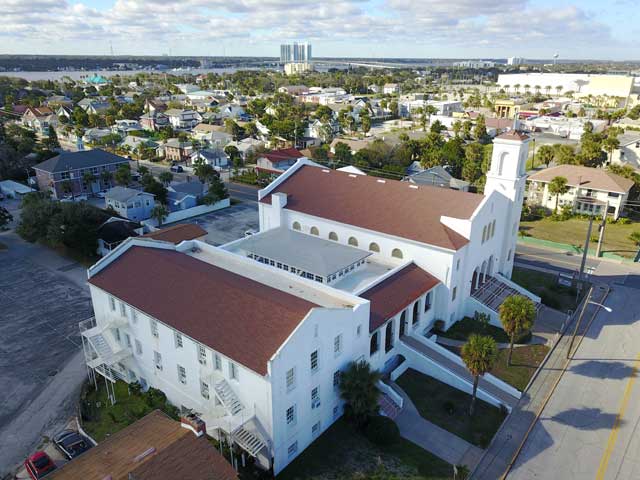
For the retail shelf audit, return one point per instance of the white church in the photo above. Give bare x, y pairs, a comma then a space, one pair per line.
253, 335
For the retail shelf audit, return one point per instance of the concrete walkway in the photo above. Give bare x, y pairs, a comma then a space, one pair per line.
459, 370
442, 444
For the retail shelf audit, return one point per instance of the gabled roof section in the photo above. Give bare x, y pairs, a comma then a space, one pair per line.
585, 177
387, 206
397, 292
82, 159
177, 233
241, 318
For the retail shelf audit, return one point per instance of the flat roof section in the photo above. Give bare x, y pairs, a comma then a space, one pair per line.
306, 252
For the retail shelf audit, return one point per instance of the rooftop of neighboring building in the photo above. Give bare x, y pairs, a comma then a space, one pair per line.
154, 447
117, 229
193, 187
177, 233
585, 177
66, 161
245, 319
124, 194
282, 155
307, 252
397, 291
438, 176
387, 206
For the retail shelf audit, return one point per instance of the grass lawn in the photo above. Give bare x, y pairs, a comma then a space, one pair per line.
464, 328
448, 408
101, 419
524, 362
574, 231
343, 453
546, 286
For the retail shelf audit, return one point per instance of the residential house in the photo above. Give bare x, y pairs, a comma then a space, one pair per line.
55, 101
39, 119
628, 152
592, 191
278, 161
184, 195
345, 268
94, 106
178, 233
115, 231
154, 447
132, 143
214, 156
438, 176
211, 134
294, 90
124, 127
93, 135
176, 151
154, 121
373, 88
154, 106
247, 145
390, 88
130, 203
235, 112
183, 119
69, 169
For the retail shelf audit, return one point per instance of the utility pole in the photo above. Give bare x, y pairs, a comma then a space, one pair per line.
575, 330
602, 225
584, 255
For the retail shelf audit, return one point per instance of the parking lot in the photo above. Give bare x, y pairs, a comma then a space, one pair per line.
228, 224
40, 350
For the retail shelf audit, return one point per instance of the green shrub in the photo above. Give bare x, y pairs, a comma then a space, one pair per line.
449, 407
382, 431
550, 300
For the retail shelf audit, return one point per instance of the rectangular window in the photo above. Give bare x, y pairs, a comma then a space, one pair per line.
138, 347
157, 358
154, 327
218, 361
315, 398
134, 315
291, 415
202, 355
314, 361
112, 304
233, 371
315, 429
204, 389
454, 293
182, 375
123, 310
336, 379
116, 332
427, 302
337, 345
291, 379
127, 340
177, 339
293, 449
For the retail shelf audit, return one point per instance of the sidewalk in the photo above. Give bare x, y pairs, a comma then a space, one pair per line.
514, 431
430, 437
536, 340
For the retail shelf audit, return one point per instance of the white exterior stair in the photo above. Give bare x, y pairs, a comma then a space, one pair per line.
388, 407
101, 346
248, 441
228, 397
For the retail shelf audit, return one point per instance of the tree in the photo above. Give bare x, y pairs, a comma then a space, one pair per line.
480, 129
472, 166
558, 186
564, 154
342, 153
123, 175
165, 177
88, 178
51, 142
217, 191
203, 170
365, 123
232, 152
546, 154
5, 218
159, 213
479, 355
142, 170
517, 314
154, 187
106, 176
610, 144
635, 237
359, 391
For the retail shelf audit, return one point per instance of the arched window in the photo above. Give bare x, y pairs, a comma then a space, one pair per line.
333, 236
416, 314
374, 247
296, 226
397, 253
501, 163
493, 228
353, 242
484, 233
374, 343
314, 231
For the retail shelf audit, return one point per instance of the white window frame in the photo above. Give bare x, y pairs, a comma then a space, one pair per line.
112, 304
315, 429
204, 390
182, 374
217, 361
123, 310
177, 339
337, 345
153, 325
292, 449
290, 379
157, 359
233, 371
127, 340
202, 354
314, 361
336, 379
315, 397
290, 415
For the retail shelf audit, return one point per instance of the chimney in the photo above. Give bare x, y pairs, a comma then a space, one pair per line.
194, 423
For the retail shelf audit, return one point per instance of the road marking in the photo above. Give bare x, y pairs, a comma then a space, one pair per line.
604, 462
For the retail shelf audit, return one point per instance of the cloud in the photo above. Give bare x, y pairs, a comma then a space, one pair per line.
196, 25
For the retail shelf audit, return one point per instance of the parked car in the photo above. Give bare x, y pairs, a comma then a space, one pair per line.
101, 194
71, 443
38, 465
177, 168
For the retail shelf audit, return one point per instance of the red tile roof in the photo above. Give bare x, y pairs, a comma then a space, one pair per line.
243, 319
282, 154
397, 292
514, 135
177, 233
386, 206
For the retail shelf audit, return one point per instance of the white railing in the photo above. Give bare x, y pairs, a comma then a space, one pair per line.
391, 393
87, 324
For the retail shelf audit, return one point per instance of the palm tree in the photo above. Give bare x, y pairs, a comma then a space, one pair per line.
547, 89
88, 178
558, 186
517, 87
166, 177
517, 314
537, 89
610, 144
479, 355
106, 176
159, 213
527, 87
359, 391
546, 154
558, 89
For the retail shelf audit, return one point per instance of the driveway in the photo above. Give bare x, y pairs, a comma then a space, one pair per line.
43, 296
224, 226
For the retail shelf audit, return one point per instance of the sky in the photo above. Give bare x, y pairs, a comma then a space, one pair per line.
578, 29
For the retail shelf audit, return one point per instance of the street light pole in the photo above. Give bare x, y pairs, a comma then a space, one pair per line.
575, 330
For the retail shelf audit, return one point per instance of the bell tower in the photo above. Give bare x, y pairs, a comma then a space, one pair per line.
507, 177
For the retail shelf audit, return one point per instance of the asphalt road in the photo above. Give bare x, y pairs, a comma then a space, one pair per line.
589, 427
552, 259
